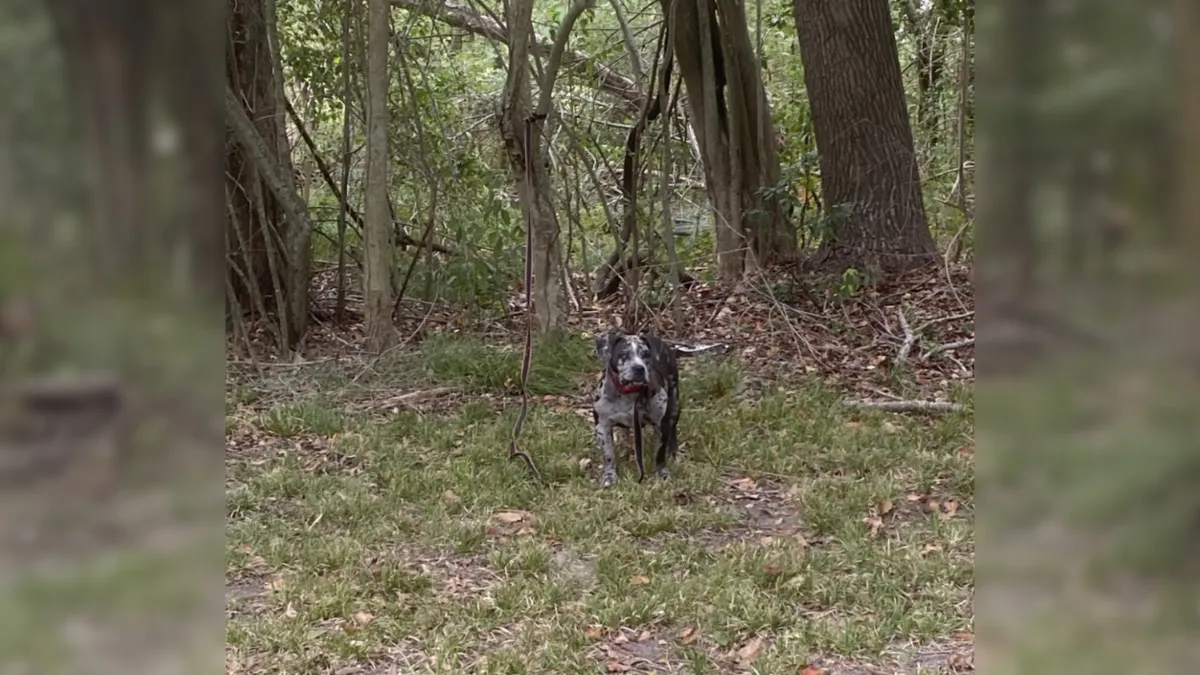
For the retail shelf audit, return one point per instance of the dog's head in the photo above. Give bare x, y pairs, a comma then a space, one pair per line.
627, 360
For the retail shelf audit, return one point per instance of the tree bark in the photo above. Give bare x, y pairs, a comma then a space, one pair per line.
869, 172
259, 184
106, 51
523, 144
377, 263
732, 123
1005, 147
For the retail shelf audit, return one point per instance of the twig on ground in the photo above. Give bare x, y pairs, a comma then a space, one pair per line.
910, 338
907, 406
944, 319
413, 396
948, 347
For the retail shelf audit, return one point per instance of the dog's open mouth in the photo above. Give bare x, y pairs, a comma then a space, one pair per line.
630, 387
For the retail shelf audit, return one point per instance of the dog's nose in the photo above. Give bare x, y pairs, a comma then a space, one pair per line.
638, 372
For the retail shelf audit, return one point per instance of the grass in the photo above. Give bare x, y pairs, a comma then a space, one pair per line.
408, 540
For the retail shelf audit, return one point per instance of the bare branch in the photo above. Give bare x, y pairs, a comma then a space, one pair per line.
949, 346
546, 95
460, 16
910, 338
630, 46
907, 406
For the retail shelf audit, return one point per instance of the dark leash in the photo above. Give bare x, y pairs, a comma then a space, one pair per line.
637, 437
514, 450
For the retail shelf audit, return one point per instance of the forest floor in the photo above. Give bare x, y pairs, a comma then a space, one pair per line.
376, 526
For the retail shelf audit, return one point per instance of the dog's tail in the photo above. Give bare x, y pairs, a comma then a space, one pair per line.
681, 350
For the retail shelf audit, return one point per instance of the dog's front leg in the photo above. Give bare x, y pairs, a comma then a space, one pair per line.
604, 440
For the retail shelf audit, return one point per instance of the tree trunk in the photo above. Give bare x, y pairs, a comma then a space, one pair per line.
869, 173
1186, 206
377, 263
116, 52
732, 122
1006, 144
106, 51
530, 171
267, 249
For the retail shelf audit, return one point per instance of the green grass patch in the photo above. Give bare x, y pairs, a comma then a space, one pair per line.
411, 538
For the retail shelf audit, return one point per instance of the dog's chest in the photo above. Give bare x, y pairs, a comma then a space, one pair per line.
618, 411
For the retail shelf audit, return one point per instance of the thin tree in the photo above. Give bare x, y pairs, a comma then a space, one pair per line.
869, 172
377, 263
522, 126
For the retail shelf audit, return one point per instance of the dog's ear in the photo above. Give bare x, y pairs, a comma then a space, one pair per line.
604, 343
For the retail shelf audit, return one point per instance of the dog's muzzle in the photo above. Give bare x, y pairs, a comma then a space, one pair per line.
632, 387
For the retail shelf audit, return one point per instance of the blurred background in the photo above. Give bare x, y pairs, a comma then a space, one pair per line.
1089, 512
110, 342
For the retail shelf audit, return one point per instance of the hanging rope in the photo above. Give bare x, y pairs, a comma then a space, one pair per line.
514, 449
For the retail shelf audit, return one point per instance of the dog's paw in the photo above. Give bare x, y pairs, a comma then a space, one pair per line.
608, 478
663, 472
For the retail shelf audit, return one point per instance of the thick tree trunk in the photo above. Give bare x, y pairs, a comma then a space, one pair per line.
1006, 144
377, 272
116, 52
732, 122
107, 57
267, 249
869, 170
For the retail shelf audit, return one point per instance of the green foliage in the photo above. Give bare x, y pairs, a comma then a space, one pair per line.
445, 146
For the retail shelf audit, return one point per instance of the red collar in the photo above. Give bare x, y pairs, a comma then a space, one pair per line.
624, 388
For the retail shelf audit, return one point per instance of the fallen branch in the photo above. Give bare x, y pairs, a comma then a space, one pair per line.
907, 406
910, 338
414, 396
949, 346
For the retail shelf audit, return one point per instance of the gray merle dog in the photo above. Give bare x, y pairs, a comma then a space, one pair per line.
640, 371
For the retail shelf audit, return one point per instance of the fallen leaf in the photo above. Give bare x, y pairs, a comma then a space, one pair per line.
688, 636
967, 450
510, 517
745, 484
964, 635
638, 581
450, 497
767, 541
621, 639
873, 522
363, 618
645, 635
810, 670
618, 667
930, 548
750, 651
884, 507
593, 633
913, 497
949, 508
